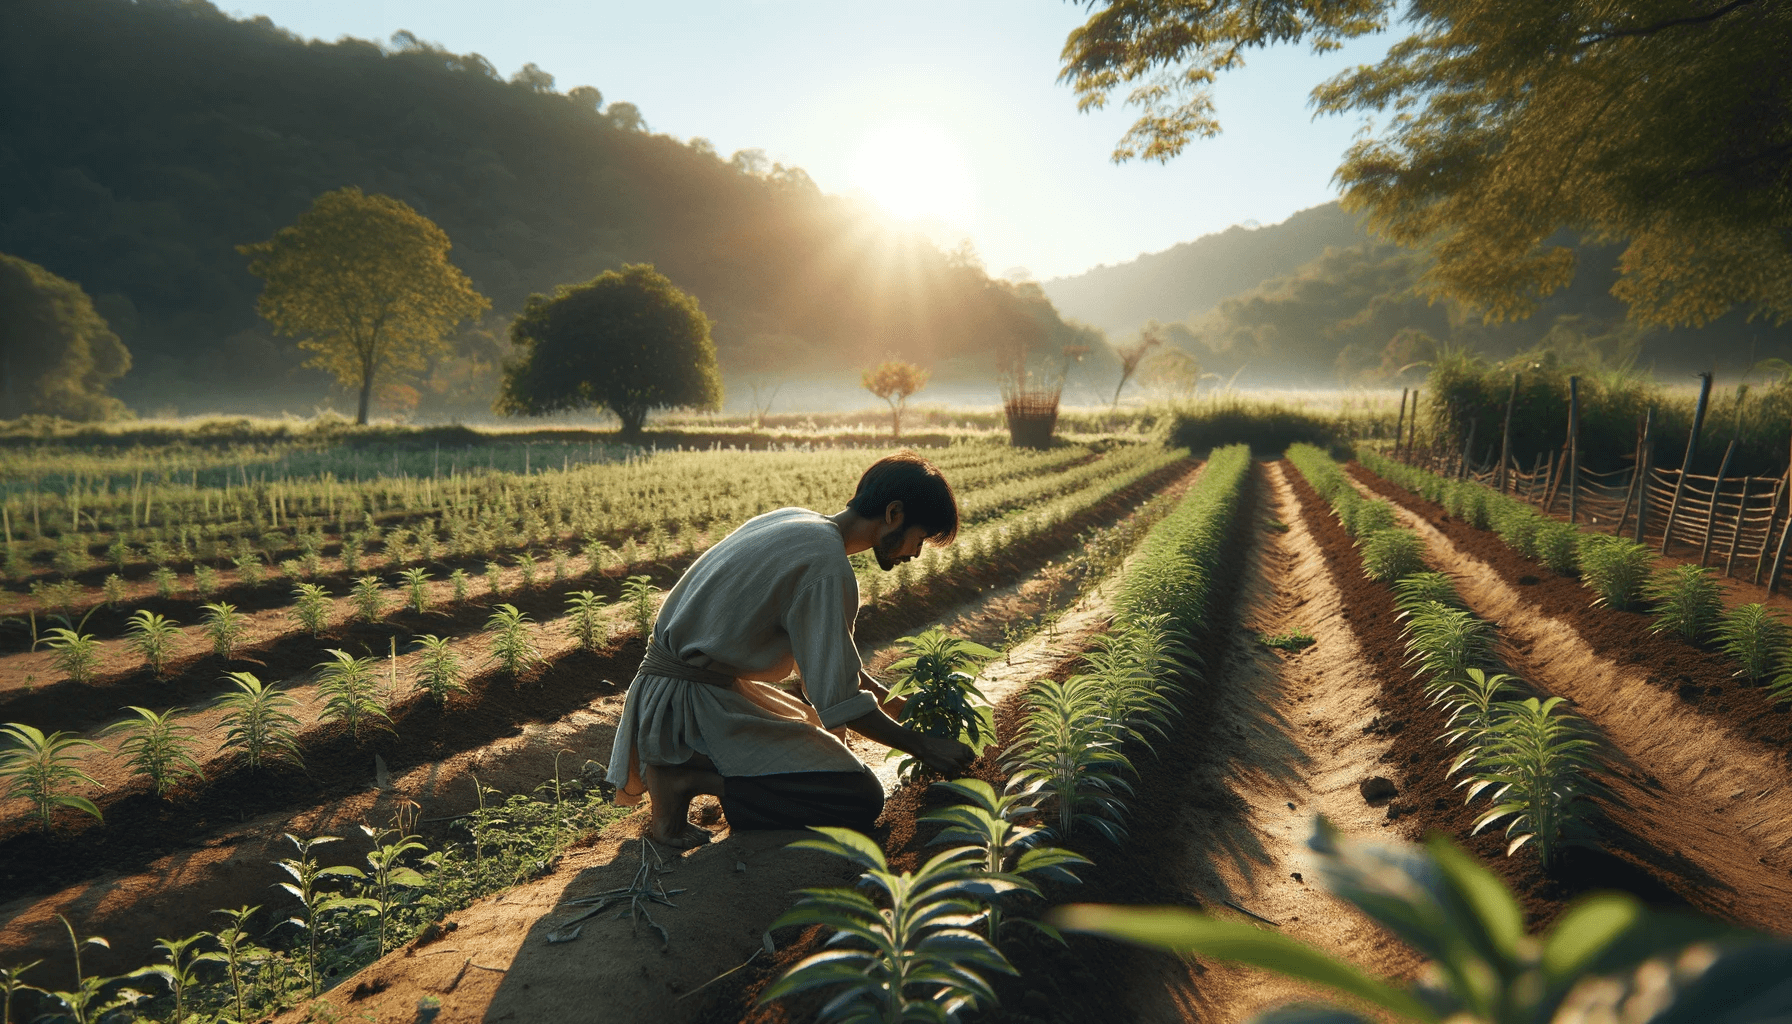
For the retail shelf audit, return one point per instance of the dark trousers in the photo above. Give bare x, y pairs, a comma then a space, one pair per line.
801, 799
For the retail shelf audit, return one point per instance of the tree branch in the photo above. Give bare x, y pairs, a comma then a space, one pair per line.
1662, 26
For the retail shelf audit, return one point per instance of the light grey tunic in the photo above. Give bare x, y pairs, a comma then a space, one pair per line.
777, 592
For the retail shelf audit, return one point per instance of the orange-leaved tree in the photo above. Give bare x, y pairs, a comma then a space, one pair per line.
364, 281
894, 381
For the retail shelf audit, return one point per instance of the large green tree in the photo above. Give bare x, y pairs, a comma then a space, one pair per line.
365, 282
629, 341
57, 355
1665, 125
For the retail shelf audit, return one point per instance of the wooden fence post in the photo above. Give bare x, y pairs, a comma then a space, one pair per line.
1636, 466
1645, 459
1506, 436
1412, 430
1773, 518
1692, 448
1467, 449
1399, 423
1736, 532
1573, 446
1779, 560
1716, 490
1530, 490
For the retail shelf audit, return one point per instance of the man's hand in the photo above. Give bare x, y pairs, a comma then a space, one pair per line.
946, 756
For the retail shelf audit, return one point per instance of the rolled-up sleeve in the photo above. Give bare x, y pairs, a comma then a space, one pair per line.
819, 623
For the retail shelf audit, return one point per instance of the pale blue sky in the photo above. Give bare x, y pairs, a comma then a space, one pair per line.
809, 82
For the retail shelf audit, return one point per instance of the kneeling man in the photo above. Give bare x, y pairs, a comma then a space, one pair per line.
778, 592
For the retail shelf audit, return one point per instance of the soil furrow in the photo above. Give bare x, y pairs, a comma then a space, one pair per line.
1714, 805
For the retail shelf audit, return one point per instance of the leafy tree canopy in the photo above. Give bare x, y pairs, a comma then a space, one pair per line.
57, 355
628, 341
894, 381
365, 280
1663, 125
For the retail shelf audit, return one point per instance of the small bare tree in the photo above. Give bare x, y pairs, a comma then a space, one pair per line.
1134, 354
894, 381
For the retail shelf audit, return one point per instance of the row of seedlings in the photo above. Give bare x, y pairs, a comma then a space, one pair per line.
258, 721
917, 946
1533, 759
683, 524
1684, 601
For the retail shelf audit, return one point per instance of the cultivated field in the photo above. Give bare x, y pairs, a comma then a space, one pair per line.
1195, 653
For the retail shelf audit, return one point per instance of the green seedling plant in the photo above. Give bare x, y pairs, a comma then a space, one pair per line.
1474, 706
368, 599
912, 960
1391, 554
527, 564
206, 582
307, 886
156, 747
12, 982
179, 969
1604, 958
1421, 588
311, 607
1616, 570
1539, 767
386, 874
151, 637
513, 642
42, 768
416, 586
223, 627
1558, 546
249, 569
494, 578
438, 669
637, 593
985, 821
585, 609
87, 1002
1133, 697
1688, 602
167, 583
236, 953
941, 698
349, 687
1293, 640
457, 582
1755, 638
75, 654
112, 592
1066, 753
1368, 518
257, 722
1445, 642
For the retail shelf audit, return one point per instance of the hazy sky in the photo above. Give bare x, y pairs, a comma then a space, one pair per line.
945, 109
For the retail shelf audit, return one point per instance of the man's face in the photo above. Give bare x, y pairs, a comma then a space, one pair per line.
898, 544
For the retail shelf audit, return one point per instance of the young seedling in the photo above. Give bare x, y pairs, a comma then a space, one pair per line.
249, 569
42, 768
985, 821
157, 748
637, 593
167, 583
87, 1003
1614, 569
416, 582
1540, 767
386, 873
237, 952
12, 982
112, 592
311, 607
1688, 602
585, 608
1391, 554
1066, 752
152, 636
350, 689
367, 599
205, 581
74, 654
223, 627
910, 960
458, 580
494, 578
438, 669
179, 969
560, 565
513, 645
526, 562
941, 698
1294, 640
257, 723
1755, 638
308, 879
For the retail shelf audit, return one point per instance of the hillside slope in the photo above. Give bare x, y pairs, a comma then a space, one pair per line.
141, 142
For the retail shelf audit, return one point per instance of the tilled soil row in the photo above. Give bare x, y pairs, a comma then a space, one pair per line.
1704, 811
1699, 681
228, 859
1427, 800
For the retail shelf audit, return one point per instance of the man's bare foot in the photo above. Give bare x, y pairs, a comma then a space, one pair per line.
685, 837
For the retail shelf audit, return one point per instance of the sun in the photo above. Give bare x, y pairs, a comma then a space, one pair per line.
915, 172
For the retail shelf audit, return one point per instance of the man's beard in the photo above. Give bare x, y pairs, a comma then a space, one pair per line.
885, 549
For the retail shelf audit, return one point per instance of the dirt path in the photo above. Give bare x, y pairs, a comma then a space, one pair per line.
1716, 804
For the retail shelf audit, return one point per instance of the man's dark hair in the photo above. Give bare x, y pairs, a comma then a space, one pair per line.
926, 497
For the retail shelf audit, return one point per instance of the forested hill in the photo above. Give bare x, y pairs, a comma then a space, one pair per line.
1314, 301
1191, 277
141, 142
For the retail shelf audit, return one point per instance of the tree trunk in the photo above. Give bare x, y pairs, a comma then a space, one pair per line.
633, 420
366, 396
895, 420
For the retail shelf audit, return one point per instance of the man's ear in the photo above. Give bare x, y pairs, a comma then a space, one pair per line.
893, 514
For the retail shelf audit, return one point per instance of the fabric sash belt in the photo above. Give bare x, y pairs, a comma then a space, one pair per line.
661, 662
